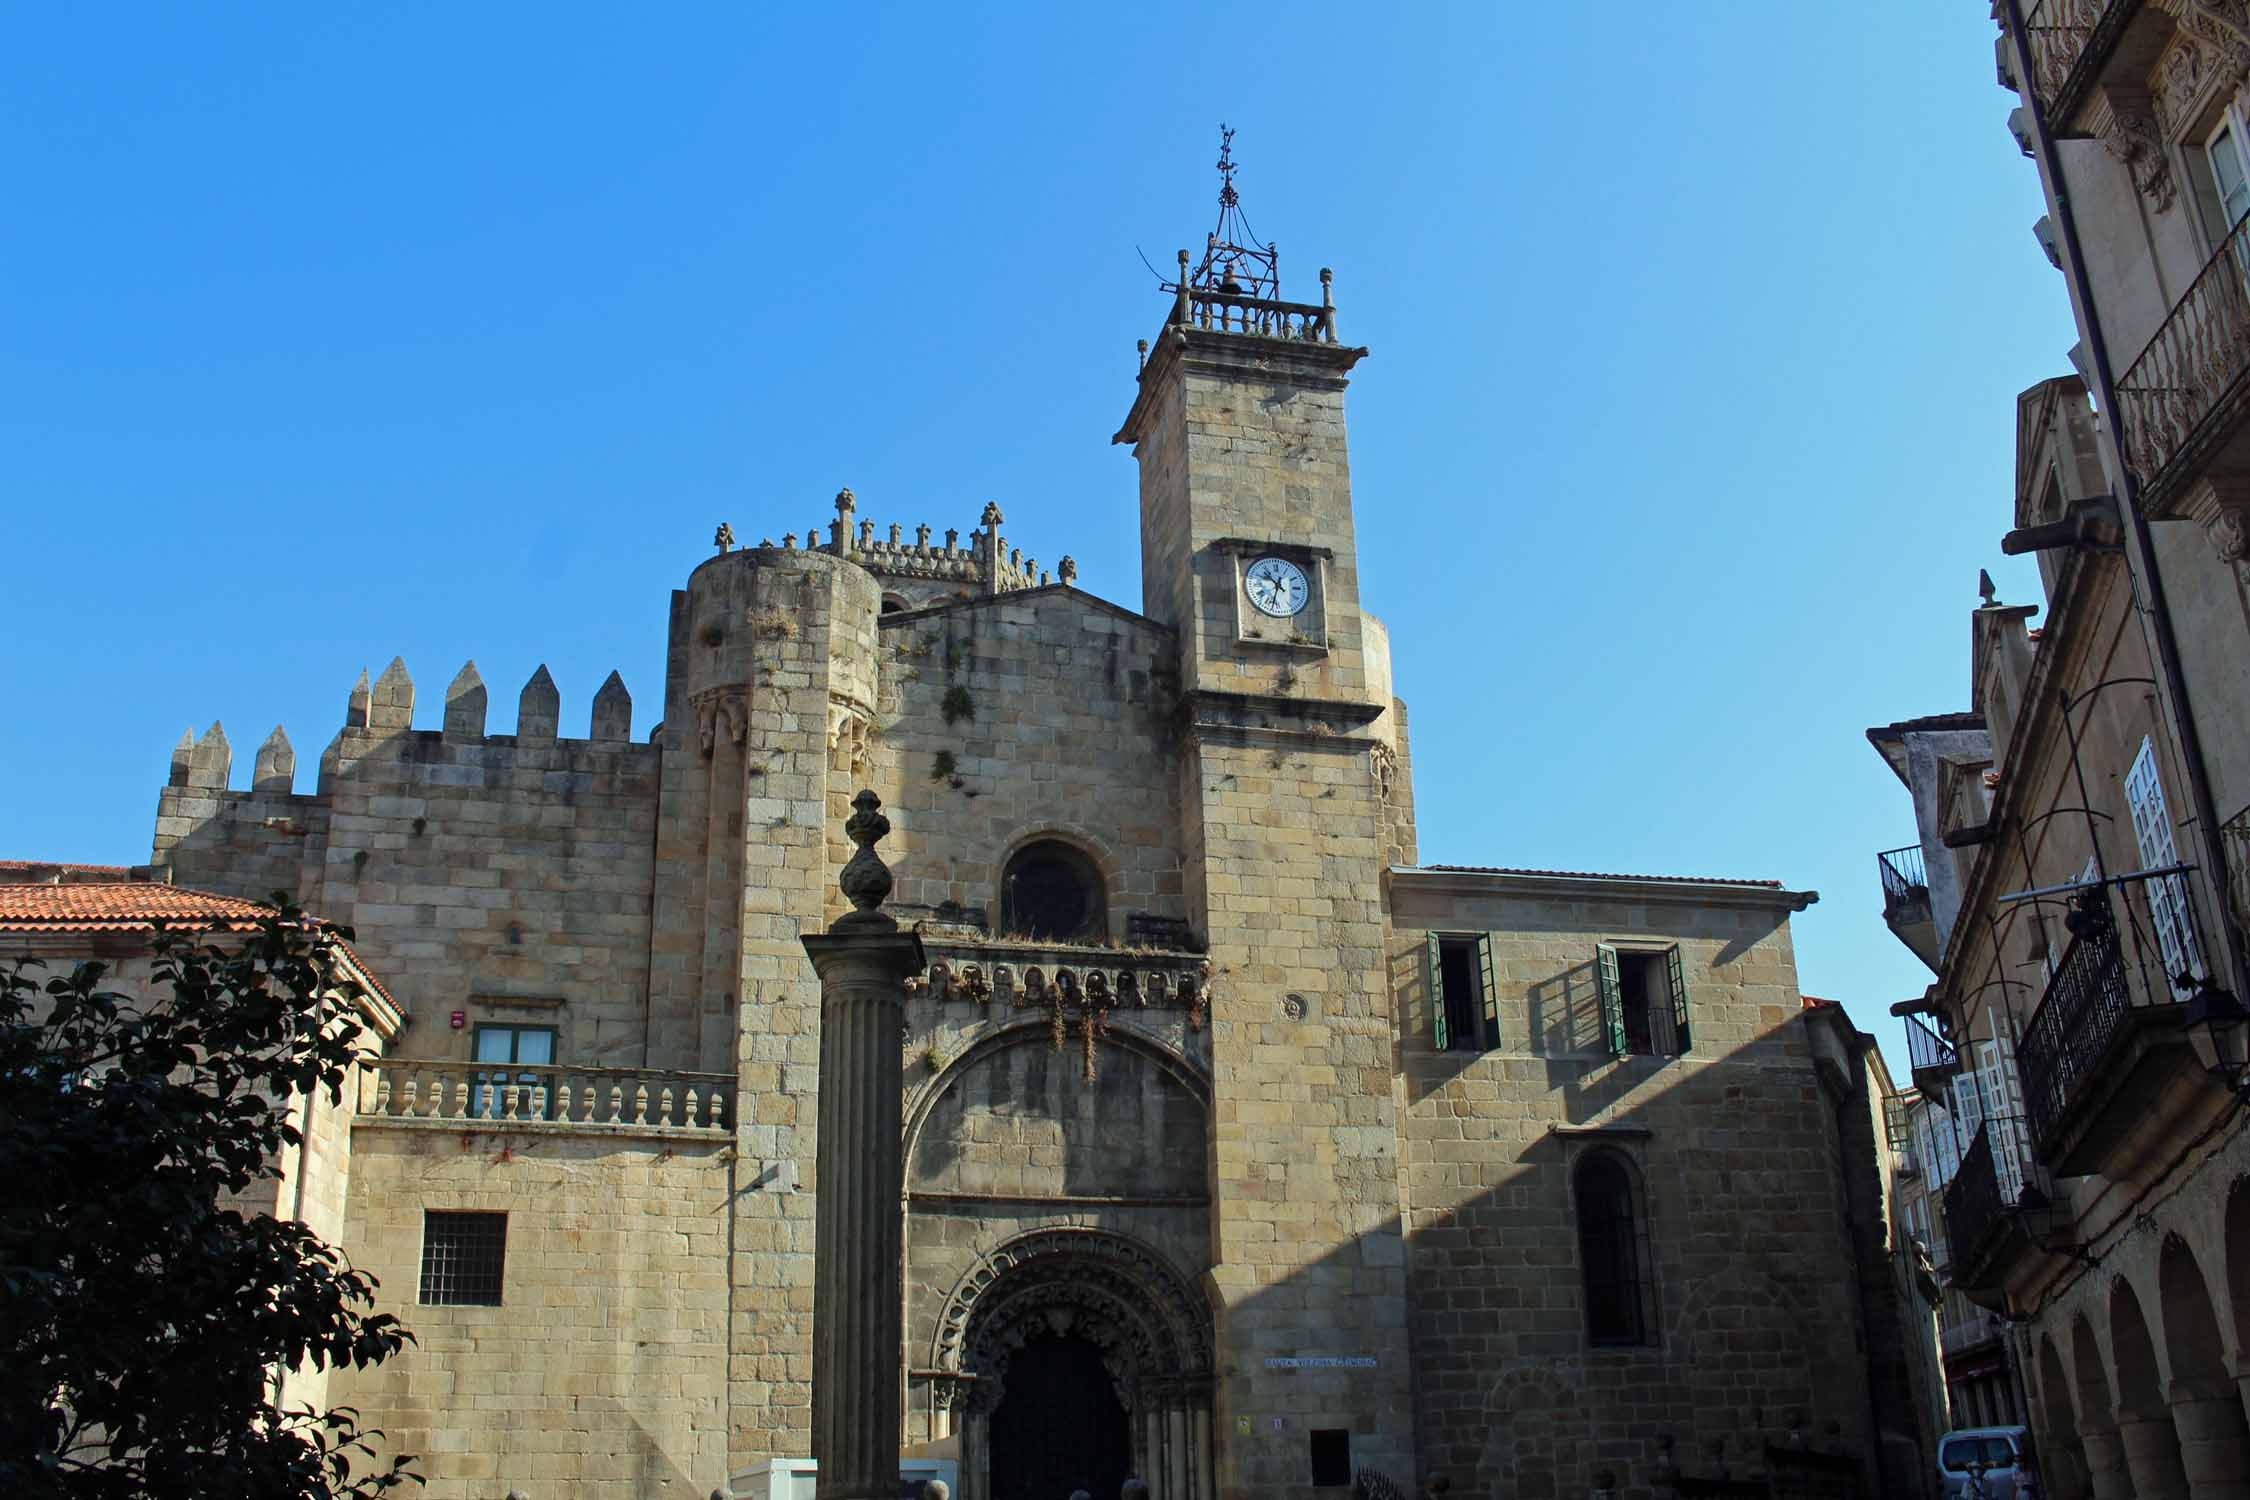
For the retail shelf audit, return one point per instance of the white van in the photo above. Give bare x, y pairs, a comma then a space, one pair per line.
2004, 1453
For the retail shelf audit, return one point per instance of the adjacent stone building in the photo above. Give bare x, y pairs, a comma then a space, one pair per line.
2083, 849
1244, 1153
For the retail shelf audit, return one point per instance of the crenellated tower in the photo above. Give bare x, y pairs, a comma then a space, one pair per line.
1290, 772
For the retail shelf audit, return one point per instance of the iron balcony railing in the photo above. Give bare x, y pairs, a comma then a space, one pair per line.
1927, 1052
2135, 945
2068, 40
1905, 880
2188, 385
1996, 1173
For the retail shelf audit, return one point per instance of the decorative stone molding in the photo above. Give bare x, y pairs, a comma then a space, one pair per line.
1384, 762
1153, 1329
725, 711
2219, 502
2135, 138
850, 733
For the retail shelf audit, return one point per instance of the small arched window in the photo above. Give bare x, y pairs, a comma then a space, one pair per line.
1051, 890
893, 604
1612, 1250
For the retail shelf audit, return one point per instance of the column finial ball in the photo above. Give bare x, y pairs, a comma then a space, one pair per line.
866, 880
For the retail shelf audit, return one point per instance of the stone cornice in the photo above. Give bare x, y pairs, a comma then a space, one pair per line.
1212, 712
1541, 885
899, 617
1208, 351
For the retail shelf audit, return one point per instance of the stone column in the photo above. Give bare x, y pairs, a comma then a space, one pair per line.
1176, 1451
2214, 1447
2106, 1478
2152, 1455
976, 1462
858, 1270
1201, 1469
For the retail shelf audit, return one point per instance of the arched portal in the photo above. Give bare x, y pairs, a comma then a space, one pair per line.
2144, 1420
1060, 1426
2238, 1259
2214, 1440
2062, 1456
2097, 1417
1076, 1351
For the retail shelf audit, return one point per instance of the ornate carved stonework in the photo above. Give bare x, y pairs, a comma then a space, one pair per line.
2219, 502
1153, 1329
849, 733
2135, 139
1385, 762
722, 712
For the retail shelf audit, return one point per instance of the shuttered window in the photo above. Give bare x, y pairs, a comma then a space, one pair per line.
1464, 999
1644, 1004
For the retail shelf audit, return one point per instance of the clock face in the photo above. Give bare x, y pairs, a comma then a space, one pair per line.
1277, 587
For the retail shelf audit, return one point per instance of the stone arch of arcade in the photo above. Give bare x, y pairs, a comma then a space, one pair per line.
1153, 1330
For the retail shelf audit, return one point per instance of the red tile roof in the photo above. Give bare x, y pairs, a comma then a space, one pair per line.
1814, 1002
117, 906
90, 906
1763, 885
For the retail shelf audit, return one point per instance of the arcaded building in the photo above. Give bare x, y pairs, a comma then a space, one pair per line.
1245, 1154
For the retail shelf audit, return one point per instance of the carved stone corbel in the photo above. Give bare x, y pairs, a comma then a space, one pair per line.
2136, 139
723, 711
2219, 502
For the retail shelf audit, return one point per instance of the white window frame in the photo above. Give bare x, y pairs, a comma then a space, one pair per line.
2235, 127
2168, 896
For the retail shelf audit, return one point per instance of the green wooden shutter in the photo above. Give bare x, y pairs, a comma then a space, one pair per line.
1674, 972
1437, 992
1491, 992
1613, 998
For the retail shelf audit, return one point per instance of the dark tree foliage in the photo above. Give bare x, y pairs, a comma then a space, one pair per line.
144, 1323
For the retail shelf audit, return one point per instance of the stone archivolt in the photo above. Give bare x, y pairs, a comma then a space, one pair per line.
1152, 1328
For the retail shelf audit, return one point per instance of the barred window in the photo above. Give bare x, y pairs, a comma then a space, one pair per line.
1612, 1252
462, 1258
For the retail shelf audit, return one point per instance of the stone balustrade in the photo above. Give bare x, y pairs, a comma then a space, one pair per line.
497, 1096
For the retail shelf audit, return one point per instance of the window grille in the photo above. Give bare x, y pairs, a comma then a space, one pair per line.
463, 1256
1611, 1253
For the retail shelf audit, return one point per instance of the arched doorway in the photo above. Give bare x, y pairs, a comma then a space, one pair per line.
2144, 1418
2214, 1440
2062, 1456
1083, 1358
1060, 1426
2097, 1417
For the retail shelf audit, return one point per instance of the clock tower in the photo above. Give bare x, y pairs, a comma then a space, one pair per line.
1247, 552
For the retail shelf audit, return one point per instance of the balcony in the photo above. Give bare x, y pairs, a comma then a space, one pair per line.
1932, 1058
2071, 42
1906, 901
2109, 1075
2183, 399
601, 1101
1998, 1207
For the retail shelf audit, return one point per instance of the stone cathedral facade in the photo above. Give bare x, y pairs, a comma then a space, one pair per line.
1245, 1154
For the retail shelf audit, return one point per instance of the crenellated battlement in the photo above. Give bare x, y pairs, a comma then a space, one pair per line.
384, 709
986, 565
387, 708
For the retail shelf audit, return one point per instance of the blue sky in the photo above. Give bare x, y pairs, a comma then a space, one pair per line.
452, 332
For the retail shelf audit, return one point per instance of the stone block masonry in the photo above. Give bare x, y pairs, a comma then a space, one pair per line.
476, 871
